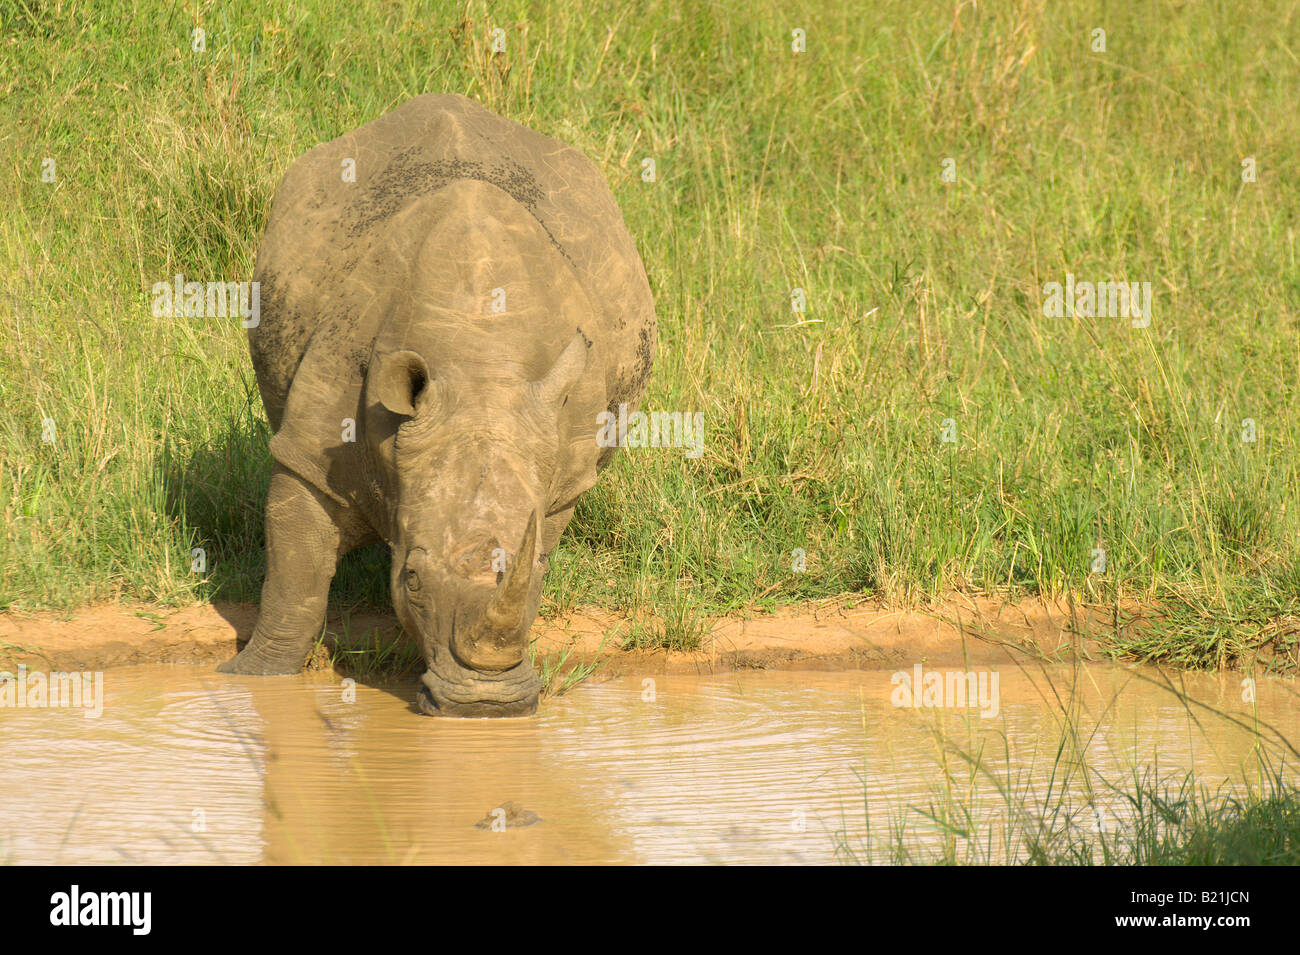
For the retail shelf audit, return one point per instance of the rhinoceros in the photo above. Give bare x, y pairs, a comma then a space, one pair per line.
449, 301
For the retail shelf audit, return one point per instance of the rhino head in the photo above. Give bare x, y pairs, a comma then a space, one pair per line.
470, 467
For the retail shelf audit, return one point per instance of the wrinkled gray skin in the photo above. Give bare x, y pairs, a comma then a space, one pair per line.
406, 409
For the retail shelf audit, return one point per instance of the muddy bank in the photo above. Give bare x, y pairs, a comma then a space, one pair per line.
830, 635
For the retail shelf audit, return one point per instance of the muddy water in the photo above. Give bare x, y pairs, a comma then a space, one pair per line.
186, 766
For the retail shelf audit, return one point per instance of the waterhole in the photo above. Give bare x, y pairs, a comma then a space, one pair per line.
185, 765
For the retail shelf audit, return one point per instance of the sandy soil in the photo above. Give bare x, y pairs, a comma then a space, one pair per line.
825, 635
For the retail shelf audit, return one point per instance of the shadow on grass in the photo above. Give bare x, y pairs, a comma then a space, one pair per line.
216, 492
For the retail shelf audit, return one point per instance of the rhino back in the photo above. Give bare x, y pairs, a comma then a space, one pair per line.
317, 264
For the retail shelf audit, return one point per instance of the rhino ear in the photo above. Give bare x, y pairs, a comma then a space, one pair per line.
566, 371
395, 379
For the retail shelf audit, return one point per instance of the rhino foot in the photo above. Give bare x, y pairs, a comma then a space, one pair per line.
256, 661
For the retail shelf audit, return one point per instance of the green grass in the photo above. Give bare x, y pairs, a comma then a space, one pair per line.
558, 673
994, 806
1171, 822
368, 657
680, 626
775, 171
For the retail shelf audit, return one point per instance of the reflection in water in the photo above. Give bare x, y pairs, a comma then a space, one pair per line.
189, 766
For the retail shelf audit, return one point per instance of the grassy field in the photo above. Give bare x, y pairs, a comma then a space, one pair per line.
921, 171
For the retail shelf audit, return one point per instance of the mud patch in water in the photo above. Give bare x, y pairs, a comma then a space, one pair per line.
508, 815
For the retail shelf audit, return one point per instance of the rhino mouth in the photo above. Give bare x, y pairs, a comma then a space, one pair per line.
449, 689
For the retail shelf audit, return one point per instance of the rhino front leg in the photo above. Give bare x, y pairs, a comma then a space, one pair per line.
302, 550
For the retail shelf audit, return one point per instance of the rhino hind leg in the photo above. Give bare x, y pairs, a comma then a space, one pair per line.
303, 544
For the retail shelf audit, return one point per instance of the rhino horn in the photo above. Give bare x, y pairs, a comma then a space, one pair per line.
507, 609
500, 639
